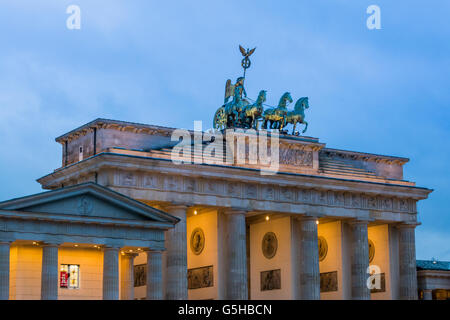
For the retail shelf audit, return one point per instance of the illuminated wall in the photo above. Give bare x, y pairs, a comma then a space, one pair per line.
332, 233
380, 238
282, 260
26, 266
208, 222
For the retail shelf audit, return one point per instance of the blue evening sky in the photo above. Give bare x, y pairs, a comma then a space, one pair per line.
166, 62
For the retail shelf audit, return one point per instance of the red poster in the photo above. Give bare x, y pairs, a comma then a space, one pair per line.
64, 277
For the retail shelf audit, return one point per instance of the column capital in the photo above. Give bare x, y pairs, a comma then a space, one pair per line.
407, 225
307, 217
176, 206
50, 243
129, 255
355, 222
111, 247
150, 250
232, 211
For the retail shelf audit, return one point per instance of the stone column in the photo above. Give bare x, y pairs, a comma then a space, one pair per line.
236, 256
176, 255
4, 270
309, 273
154, 275
407, 262
127, 276
110, 273
49, 277
359, 249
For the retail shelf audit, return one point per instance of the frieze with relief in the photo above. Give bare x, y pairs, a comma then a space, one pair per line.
296, 157
234, 189
266, 192
150, 181
286, 194
251, 191
270, 280
171, 183
190, 185
328, 281
202, 277
128, 179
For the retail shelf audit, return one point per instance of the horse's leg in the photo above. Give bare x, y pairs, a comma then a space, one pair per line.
306, 127
293, 129
235, 118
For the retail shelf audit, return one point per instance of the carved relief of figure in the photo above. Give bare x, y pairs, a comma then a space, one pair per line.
372, 202
356, 201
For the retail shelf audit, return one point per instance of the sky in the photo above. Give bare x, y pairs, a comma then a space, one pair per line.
382, 91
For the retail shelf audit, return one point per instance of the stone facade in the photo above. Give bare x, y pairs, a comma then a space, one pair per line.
343, 195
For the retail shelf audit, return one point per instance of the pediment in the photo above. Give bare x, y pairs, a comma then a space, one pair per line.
88, 199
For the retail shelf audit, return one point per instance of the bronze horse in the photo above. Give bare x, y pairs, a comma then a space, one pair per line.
277, 115
253, 112
298, 115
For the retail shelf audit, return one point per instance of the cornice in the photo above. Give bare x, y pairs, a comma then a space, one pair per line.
117, 125
24, 215
354, 155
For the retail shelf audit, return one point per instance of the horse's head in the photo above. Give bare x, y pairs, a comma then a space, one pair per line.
262, 96
286, 97
302, 103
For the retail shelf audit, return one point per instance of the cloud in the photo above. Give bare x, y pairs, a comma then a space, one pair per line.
432, 244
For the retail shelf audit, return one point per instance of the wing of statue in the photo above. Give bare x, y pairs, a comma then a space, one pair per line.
251, 52
244, 53
229, 88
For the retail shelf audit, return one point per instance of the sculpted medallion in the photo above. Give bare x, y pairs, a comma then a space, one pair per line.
371, 250
85, 205
323, 248
197, 241
269, 245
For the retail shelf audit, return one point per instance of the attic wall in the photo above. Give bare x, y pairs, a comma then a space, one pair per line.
107, 138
